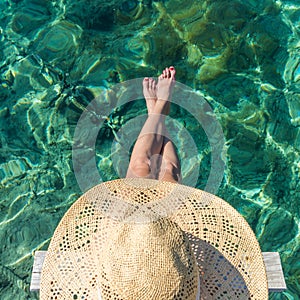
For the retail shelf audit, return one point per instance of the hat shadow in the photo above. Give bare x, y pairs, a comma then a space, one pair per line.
219, 279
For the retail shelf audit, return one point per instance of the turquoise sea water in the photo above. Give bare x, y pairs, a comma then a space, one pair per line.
57, 56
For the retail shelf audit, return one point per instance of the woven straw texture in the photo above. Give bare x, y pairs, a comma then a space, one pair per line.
117, 241
156, 262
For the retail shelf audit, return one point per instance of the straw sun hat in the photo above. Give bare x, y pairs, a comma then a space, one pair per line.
146, 239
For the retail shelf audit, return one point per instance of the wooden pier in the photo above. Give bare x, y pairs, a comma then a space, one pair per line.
272, 261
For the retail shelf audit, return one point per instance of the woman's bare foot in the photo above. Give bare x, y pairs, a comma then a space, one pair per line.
164, 87
149, 91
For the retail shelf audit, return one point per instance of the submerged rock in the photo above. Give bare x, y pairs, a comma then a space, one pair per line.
279, 227
164, 50
293, 102
233, 16
129, 11
92, 15
58, 44
28, 21
292, 70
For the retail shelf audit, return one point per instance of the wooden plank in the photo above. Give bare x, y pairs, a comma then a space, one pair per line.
274, 271
39, 257
272, 261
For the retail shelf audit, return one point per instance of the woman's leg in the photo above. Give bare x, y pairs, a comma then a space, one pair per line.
170, 165
144, 159
154, 155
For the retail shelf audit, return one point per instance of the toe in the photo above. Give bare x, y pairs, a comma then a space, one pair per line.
146, 82
172, 72
151, 82
167, 72
153, 85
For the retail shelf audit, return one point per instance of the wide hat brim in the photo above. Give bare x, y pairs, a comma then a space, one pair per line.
229, 258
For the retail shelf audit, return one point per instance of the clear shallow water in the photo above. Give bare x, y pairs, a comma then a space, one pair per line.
55, 57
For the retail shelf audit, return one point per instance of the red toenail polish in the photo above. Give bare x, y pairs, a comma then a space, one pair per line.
171, 68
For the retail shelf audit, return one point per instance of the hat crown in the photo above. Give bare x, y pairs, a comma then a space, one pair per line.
149, 261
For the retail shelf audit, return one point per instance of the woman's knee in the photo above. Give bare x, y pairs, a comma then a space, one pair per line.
140, 167
169, 169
